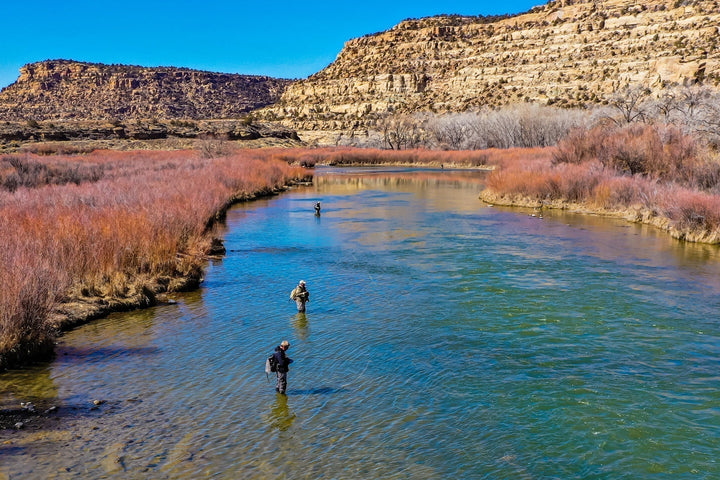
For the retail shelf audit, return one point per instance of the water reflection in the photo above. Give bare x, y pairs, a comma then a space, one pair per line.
438, 187
615, 239
448, 339
300, 322
280, 416
32, 384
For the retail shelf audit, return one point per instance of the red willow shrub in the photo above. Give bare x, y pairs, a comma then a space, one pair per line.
147, 216
636, 166
692, 210
27, 171
657, 151
344, 156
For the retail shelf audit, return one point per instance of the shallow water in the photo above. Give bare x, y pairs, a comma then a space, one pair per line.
443, 339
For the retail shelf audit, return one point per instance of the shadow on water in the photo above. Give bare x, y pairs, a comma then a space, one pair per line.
317, 391
48, 410
72, 353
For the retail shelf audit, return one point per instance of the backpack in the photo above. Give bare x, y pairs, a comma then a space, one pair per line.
270, 364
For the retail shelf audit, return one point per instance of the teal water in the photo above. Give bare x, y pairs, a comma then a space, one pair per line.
443, 339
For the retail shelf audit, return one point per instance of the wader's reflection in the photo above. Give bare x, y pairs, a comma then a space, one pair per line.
280, 416
300, 323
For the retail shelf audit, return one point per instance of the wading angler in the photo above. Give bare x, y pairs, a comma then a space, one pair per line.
301, 296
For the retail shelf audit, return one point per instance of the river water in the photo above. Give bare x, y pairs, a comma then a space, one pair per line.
443, 339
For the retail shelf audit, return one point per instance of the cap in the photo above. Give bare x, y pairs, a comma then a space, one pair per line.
302, 282
285, 343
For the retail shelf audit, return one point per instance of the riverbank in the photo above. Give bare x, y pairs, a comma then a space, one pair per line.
353, 157
634, 214
651, 174
146, 291
581, 316
112, 231
108, 231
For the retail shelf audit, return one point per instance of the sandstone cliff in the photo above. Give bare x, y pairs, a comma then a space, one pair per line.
69, 90
567, 53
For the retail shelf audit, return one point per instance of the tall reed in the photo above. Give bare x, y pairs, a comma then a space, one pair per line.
148, 215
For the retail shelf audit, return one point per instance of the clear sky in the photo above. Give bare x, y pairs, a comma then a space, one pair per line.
280, 38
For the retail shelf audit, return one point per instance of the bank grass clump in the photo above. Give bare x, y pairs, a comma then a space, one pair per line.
26, 170
56, 148
650, 173
351, 156
113, 241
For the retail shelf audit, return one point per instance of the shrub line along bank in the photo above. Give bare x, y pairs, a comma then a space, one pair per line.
650, 174
647, 174
79, 311
74, 254
110, 231
633, 214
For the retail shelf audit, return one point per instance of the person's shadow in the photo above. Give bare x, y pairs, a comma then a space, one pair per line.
280, 416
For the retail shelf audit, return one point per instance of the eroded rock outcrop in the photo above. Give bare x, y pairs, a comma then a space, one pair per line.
69, 90
567, 53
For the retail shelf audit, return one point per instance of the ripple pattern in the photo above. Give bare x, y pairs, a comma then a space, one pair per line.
443, 339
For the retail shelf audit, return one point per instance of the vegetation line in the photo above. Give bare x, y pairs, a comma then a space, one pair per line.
653, 174
109, 231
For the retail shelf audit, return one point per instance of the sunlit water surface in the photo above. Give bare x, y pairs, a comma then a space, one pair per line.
444, 339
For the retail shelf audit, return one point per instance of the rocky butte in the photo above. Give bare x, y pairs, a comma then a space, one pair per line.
566, 53
69, 90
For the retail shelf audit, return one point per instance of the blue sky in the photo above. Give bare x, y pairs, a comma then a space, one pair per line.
280, 38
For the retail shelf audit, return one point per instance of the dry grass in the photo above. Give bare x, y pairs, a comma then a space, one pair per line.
347, 156
55, 148
150, 214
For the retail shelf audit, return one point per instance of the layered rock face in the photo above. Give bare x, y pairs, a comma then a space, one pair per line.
567, 53
68, 90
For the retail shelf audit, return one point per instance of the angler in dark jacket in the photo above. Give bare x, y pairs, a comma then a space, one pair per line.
283, 365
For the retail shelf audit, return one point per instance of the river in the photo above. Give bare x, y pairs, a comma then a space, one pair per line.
443, 339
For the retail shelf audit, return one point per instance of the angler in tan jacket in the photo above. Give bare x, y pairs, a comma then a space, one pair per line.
301, 296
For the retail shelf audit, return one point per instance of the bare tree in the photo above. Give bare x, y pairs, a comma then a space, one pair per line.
520, 125
450, 132
632, 104
400, 131
666, 105
525, 125
707, 119
212, 146
694, 102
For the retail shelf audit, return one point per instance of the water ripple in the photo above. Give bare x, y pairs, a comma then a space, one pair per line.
442, 340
